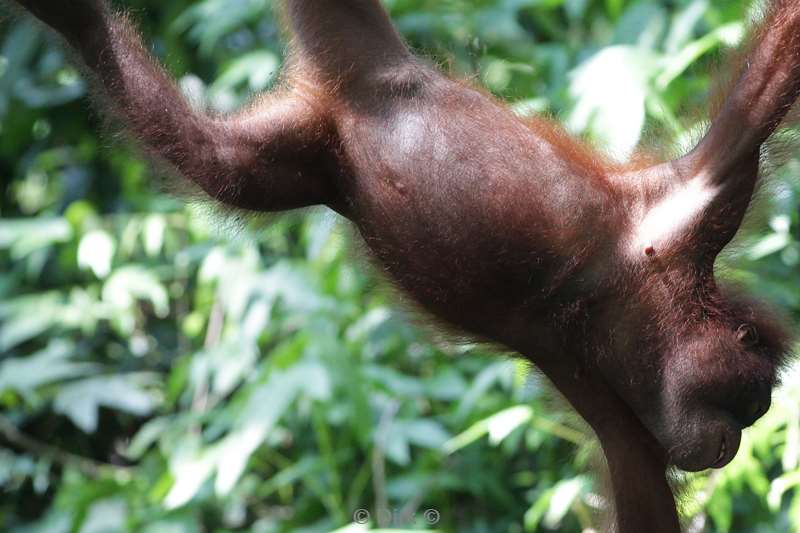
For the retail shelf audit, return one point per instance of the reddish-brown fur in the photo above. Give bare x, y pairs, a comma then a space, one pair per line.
512, 231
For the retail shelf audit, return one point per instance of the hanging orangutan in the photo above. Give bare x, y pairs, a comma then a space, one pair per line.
508, 229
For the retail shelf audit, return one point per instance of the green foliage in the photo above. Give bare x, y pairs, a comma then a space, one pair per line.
158, 375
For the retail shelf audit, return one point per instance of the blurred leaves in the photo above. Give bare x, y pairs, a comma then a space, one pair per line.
80, 400
52, 364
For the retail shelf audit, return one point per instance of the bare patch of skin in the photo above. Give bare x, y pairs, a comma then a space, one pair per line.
669, 220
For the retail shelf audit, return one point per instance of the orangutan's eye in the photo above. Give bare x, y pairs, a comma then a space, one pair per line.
747, 334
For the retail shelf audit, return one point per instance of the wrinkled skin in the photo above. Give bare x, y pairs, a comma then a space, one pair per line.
509, 230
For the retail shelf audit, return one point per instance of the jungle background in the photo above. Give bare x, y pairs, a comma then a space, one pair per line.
165, 370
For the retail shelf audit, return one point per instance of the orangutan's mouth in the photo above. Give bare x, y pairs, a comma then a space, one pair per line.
710, 451
721, 456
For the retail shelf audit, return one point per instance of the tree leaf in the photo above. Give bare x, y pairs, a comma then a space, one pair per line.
81, 400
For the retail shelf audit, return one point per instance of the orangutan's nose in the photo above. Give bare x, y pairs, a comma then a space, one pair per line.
750, 411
